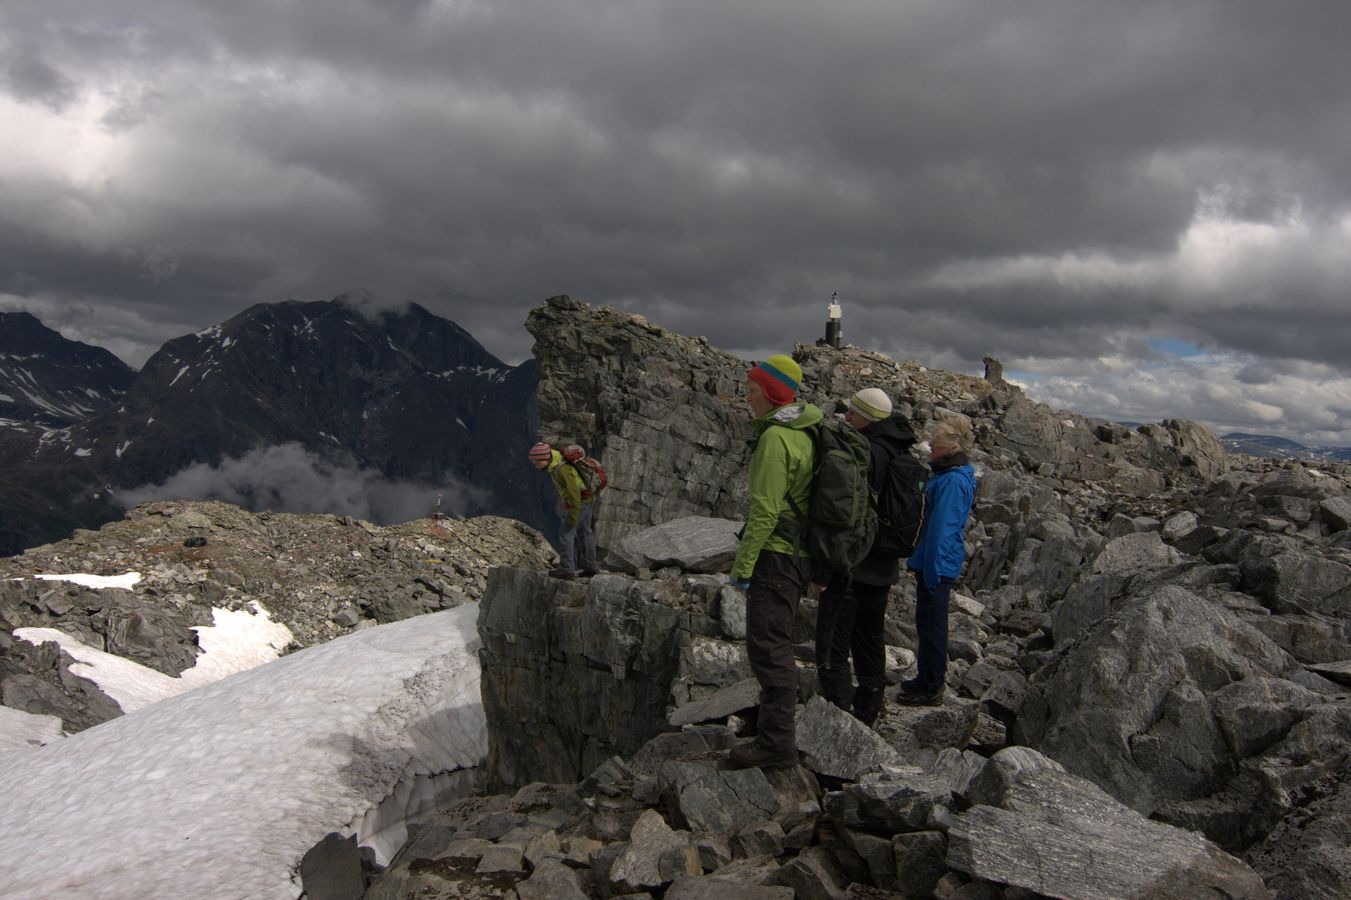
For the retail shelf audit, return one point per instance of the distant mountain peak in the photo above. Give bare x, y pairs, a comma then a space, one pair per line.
50, 381
1273, 447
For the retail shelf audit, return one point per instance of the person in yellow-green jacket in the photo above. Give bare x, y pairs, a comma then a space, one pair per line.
575, 535
768, 566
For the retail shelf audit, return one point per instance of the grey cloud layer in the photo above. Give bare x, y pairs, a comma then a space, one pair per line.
1049, 182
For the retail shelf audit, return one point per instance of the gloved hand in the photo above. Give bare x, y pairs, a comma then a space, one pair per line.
741, 584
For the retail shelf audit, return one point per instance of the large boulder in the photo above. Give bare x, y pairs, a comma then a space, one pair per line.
1143, 703
1061, 836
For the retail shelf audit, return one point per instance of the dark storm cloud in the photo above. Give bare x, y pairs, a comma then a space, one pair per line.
1054, 182
25, 74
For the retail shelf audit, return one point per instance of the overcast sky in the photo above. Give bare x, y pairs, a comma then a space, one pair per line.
1143, 209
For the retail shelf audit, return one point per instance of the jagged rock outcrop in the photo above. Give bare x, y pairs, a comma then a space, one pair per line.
578, 671
662, 411
666, 415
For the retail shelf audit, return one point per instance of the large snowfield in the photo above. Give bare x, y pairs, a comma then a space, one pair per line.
216, 788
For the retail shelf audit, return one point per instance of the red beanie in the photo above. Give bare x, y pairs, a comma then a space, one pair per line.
779, 377
541, 452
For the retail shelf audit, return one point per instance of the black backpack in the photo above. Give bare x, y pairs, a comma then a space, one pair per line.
841, 518
902, 505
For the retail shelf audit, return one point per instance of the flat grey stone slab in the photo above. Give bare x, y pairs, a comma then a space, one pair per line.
694, 543
731, 699
835, 743
1063, 836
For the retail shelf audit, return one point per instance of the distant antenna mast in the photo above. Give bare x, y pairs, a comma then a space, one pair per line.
833, 328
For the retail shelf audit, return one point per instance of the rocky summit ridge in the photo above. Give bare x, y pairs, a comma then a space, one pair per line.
1148, 676
667, 416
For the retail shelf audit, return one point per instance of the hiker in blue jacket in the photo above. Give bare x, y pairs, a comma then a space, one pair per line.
938, 558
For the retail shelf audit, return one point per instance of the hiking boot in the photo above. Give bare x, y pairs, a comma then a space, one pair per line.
922, 697
588, 572
751, 755
910, 686
565, 574
867, 704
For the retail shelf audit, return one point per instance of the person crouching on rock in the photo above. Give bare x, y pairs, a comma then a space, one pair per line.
938, 558
768, 567
575, 514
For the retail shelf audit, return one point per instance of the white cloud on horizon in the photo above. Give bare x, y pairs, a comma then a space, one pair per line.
1309, 404
288, 478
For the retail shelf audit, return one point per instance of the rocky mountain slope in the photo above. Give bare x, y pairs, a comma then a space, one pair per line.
1148, 676
319, 575
405, 396
47, 381
1278, 447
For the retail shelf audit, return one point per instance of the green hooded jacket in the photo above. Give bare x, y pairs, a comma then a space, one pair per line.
780, 466
569, 484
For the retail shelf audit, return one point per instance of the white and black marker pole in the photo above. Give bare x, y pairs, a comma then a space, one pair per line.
833, 328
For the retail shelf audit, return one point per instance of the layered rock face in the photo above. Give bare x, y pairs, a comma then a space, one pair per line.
577, 672
663, 413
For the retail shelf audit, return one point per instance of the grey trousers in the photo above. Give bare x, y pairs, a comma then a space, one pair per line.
572, 538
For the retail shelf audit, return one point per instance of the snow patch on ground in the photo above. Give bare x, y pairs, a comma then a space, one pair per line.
219, 791
235, 641
126, 582
24, 731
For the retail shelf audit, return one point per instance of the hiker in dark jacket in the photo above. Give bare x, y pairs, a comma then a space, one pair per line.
938, 559
575, 537
768, 567
852, 610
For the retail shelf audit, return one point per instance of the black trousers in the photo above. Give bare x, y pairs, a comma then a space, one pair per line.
850, 621
777, 584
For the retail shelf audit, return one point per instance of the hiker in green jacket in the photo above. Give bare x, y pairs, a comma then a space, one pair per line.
574, 510
768, 566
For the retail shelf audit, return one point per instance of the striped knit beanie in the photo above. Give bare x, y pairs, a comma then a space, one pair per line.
779, 377
541, 452
872, 404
